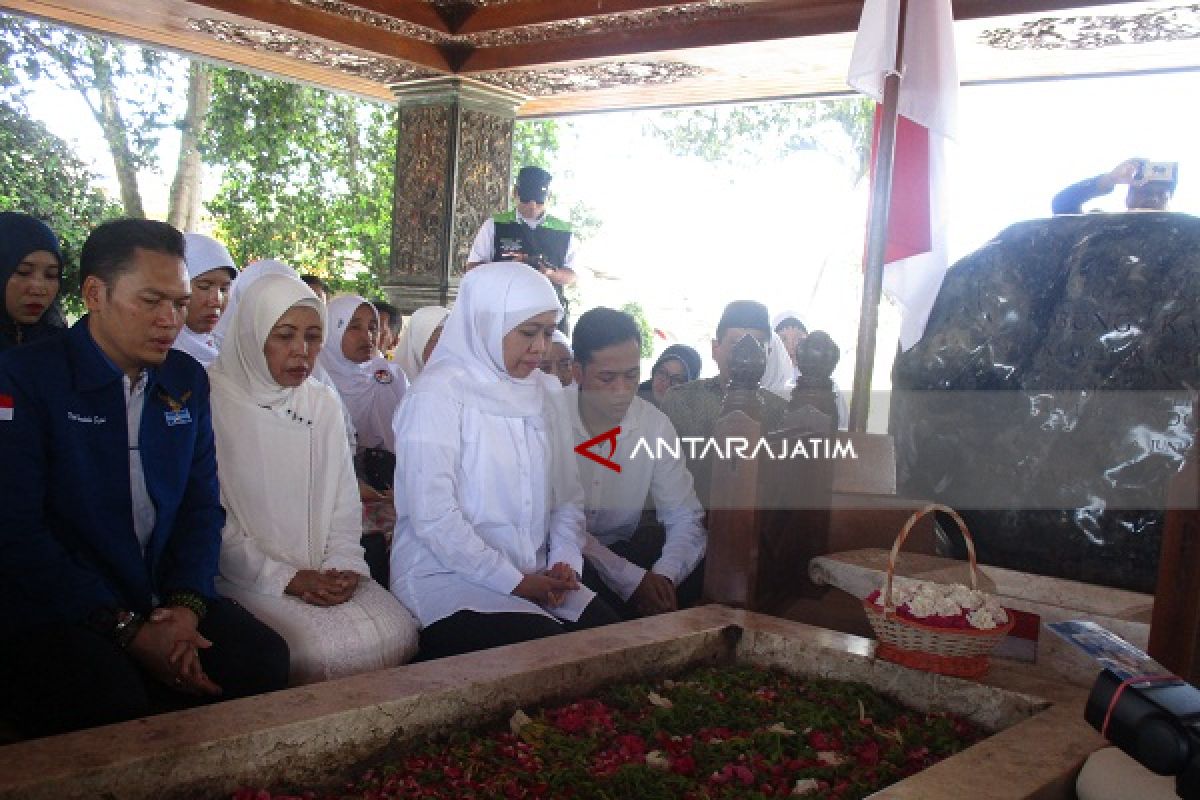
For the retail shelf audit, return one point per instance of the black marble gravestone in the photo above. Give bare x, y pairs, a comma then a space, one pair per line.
1050, 397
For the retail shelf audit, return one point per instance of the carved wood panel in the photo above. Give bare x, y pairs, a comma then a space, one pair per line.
419, 207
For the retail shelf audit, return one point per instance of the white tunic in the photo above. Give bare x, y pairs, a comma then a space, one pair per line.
291, 502
614, 501
486, 487
477, 509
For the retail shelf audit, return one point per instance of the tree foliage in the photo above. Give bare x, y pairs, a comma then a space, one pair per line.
126, 88
736, 133
306, 175
41, 175
635, 310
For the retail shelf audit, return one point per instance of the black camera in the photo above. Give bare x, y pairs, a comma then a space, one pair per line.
1155, 720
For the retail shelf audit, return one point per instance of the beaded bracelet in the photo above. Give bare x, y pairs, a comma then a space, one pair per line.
189, 600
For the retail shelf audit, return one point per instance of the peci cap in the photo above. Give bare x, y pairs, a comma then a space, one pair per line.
744, 314
533, 184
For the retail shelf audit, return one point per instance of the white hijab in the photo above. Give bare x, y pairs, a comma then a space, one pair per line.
468, 367
286, 471
370, 390
242, 364
493, 299
410, 350
253, 271
779, 376
561, 338
202, 254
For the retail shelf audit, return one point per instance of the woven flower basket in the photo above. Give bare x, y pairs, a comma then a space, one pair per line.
961, 652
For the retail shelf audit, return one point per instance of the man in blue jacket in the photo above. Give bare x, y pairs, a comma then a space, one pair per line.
111, 520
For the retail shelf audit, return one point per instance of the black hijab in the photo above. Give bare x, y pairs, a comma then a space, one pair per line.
20, 235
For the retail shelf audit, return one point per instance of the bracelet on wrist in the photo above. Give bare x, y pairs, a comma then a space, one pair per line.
127, 626
189, 600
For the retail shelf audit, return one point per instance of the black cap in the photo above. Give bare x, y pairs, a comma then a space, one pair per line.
744, 314
533, 183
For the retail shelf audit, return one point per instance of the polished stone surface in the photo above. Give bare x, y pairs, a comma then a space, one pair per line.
1048, 399
302, 734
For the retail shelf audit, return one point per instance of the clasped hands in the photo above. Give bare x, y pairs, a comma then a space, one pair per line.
549, 588
168, 646
330, 587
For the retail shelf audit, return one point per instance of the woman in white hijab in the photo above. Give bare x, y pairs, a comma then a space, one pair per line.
489, 529
370, 386
250, 275
558, 359
418, 339
211, 272
290, 549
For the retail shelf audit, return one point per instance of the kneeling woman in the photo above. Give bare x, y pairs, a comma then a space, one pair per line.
488, 503
290, 550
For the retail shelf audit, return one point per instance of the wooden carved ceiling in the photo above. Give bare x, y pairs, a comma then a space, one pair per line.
579, 55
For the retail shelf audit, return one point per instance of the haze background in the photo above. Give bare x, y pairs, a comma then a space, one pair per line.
683, 236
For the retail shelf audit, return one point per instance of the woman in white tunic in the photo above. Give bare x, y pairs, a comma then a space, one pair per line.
371, 388
489, 528
290, 549
419, 338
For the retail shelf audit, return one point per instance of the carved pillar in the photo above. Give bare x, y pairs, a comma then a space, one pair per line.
453, 161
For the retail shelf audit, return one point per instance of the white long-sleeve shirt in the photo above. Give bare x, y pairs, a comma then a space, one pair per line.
476, 510
614, 501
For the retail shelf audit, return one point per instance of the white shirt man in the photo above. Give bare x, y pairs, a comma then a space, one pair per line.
604, 398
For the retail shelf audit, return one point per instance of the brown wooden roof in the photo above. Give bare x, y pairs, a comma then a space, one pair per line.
584, 55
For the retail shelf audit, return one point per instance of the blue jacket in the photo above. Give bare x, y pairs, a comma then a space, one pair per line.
67, 543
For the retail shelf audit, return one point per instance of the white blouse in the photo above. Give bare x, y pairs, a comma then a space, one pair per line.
317, 524
477, 508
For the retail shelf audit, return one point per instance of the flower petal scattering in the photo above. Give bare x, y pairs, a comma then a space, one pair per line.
715, 733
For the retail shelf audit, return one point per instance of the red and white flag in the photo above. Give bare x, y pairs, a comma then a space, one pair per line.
6, 408
916, 257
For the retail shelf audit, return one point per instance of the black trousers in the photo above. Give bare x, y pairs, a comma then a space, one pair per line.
68, 677
644, 548
468, 631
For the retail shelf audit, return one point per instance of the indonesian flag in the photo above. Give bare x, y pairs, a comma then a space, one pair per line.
6, 408
915, 259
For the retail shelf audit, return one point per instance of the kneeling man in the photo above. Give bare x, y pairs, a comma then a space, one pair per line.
639, 569
112, 520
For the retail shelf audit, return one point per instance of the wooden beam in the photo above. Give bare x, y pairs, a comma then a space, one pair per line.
516, 15
774, 19
763, 20
156, 29
333, 28
418, 12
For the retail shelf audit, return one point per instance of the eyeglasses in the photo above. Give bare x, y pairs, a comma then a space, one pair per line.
676, 379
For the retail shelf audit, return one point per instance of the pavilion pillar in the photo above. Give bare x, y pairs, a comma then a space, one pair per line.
453, 169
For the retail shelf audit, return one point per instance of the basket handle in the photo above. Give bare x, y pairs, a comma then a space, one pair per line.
908, 526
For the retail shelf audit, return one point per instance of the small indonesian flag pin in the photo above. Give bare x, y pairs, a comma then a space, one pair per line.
6, 408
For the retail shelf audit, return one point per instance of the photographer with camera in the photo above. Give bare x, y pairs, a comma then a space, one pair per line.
529, 235
1151, 185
